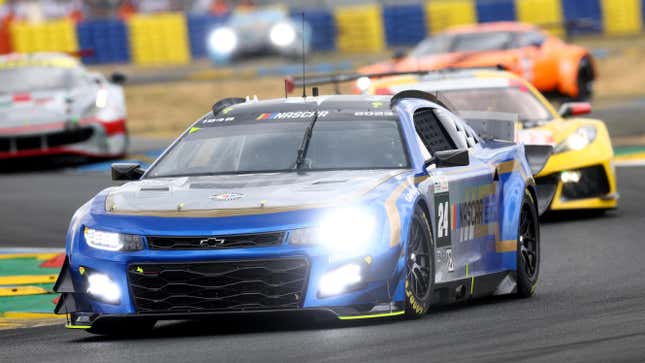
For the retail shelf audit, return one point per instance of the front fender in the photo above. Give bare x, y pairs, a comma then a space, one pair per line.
568, 69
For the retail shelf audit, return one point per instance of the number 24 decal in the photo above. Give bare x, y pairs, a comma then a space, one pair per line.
443, 219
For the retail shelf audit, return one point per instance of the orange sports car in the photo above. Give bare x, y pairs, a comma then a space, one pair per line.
546, 61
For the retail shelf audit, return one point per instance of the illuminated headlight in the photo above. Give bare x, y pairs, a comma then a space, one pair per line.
570, 176
282, 35
111, 241
340, 280
363, 84
222, 41
578, 140
101, 287
340, 230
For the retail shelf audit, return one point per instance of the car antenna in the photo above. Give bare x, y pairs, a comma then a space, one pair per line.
304, 76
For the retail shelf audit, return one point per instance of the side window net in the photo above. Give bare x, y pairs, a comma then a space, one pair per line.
431, 131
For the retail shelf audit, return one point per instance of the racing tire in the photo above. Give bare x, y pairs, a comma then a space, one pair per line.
528, 248
123, 328
585, 80
419, 262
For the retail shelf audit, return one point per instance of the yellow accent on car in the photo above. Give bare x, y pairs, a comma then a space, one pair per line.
383, 315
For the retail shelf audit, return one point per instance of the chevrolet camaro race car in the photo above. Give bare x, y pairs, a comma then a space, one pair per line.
347, 206
51, 105
546, 61
580, 173
265, 31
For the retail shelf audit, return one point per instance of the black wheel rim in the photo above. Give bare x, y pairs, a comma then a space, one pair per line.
418, 262
528, 242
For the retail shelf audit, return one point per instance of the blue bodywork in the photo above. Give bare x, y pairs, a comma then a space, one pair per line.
483, 201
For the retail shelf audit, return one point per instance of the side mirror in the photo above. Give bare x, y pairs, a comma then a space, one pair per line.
127, 171
398, 55
449, 158
574, 109
118, 78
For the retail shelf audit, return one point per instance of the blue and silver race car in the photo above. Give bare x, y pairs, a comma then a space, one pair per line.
351, 207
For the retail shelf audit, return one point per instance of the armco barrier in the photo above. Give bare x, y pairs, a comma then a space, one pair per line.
546, 13
495, 10
56, 35
443, 14
404, 24
584, 16
360, 28
176, 38
160, 39
106, 41
323, 27
199, 27
622, 16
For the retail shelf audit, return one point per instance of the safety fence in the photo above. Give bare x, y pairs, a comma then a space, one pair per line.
177, 38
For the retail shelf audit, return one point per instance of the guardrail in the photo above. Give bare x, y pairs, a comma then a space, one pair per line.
177, 38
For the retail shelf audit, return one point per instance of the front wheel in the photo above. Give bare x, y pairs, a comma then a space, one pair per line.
419, 277
528, 248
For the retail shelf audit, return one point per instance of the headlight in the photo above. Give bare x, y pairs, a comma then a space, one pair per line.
347, 230
363, 84
340, 280
111, 241
282, 34
222, 41
578, 140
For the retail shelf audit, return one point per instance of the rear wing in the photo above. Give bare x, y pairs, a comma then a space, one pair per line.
336, 79
492, 126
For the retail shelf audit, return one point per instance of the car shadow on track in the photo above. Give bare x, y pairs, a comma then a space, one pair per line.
280, 323
553, 217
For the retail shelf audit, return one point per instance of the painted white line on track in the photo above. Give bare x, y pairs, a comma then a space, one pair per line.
629, 163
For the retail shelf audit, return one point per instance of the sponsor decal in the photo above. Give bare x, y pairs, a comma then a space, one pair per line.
440, 184
290, 115
445, 258
225, 197
377, 104
373, 113
219, 119
442, 213
477, 209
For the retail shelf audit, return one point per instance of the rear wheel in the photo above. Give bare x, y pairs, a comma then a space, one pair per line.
419, 278
585, 80
123, 328
528, 248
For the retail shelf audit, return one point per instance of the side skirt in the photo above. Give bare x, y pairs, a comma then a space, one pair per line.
499, 283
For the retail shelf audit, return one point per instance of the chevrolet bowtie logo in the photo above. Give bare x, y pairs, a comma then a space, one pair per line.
211, 242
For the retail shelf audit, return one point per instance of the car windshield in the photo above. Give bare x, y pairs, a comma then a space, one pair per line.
520, 101
273, 147
34, 79
466, 42
481, 42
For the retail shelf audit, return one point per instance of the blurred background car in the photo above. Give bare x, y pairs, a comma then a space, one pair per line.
580, 174
51, 105
546, 61
258, 32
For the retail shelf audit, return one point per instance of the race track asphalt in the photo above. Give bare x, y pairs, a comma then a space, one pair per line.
589, 307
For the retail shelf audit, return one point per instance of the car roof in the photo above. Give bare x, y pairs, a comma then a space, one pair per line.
510, 26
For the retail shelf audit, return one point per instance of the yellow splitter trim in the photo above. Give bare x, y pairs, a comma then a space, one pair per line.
383, 315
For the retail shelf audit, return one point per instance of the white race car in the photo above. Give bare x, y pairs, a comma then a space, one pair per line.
51, 105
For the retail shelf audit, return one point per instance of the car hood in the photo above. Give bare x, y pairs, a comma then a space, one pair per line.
232, 195
42, 108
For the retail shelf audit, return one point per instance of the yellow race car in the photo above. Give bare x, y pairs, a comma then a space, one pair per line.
580, 174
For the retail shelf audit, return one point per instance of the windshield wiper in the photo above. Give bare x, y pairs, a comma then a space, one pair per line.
304, 145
